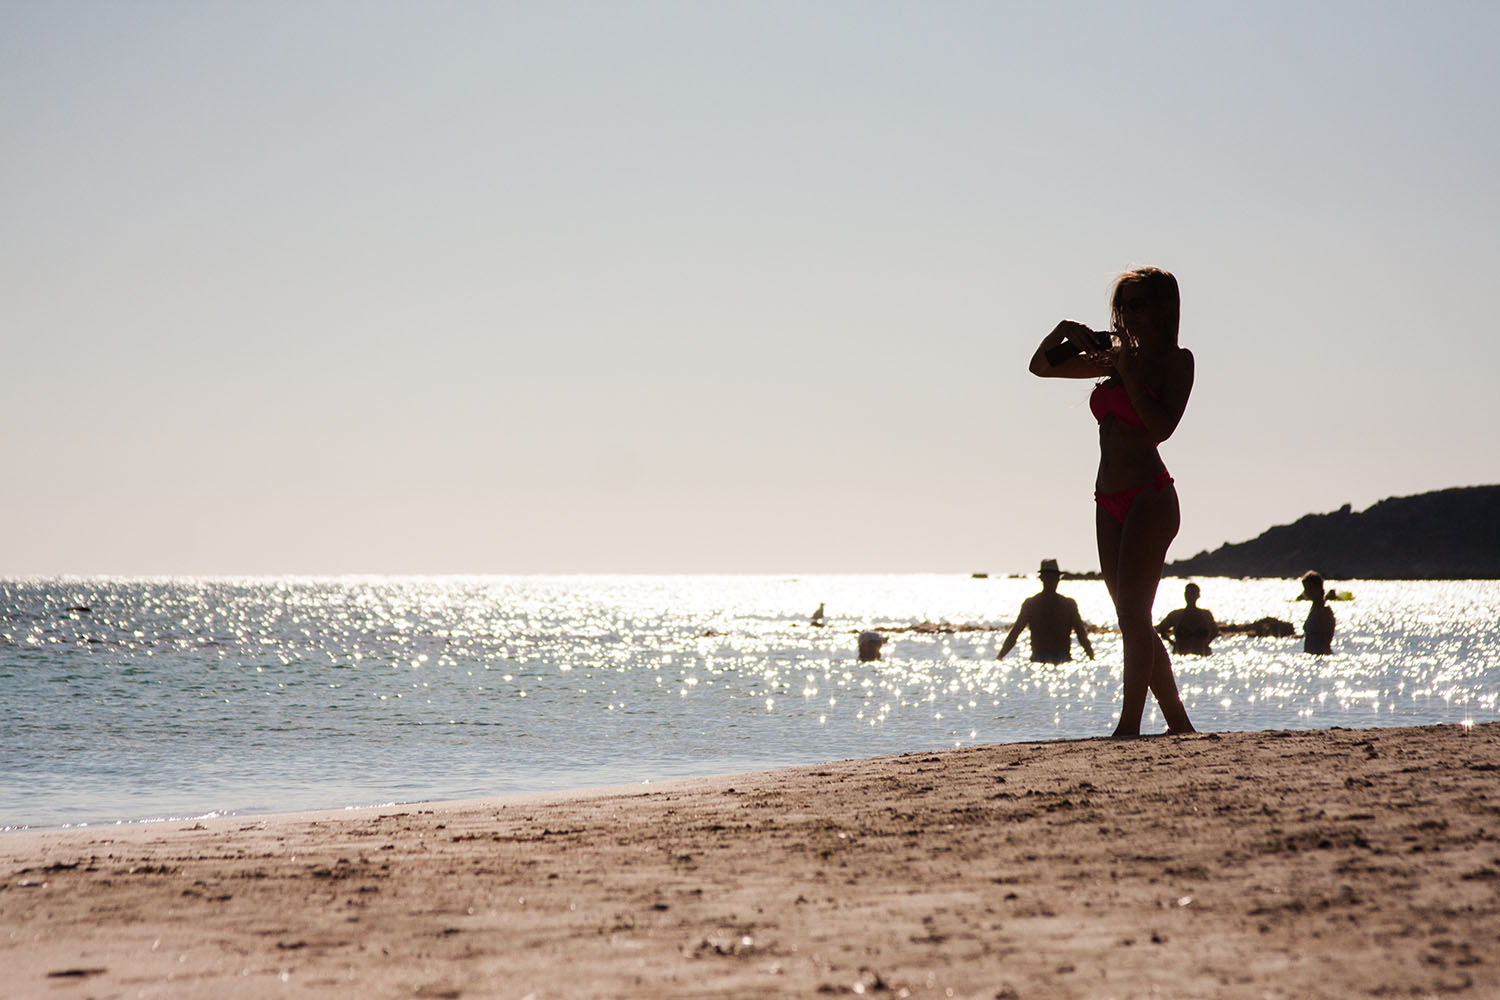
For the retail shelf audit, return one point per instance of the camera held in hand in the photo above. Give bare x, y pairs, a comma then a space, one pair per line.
1067, 349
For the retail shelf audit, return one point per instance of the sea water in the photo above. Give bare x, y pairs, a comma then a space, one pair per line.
125, 700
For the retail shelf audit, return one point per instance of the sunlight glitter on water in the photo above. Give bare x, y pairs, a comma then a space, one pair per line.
133, 698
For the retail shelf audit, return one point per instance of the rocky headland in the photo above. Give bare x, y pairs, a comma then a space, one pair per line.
1445, 535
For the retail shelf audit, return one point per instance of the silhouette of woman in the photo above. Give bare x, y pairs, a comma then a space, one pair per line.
1147, 381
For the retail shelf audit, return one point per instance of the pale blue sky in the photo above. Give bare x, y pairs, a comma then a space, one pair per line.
332, 287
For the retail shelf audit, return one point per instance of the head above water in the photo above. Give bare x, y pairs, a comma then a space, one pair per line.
1312, 583
1146, 303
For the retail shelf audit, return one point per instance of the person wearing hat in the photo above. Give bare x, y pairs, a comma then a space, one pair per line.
1053, 620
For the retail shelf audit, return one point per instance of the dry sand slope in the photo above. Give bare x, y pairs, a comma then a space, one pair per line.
1306, 864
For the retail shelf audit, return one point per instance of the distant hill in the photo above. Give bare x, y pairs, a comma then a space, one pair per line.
1446, 535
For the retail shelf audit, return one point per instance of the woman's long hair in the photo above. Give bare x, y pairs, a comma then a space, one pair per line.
1160, 289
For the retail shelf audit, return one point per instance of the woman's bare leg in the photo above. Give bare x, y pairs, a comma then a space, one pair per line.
1164, 687
1141, 549
1107, 532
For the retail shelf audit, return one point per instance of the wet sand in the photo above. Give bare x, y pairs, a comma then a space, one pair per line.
1276, 864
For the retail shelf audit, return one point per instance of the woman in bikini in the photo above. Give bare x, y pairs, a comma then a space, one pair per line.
1147, 381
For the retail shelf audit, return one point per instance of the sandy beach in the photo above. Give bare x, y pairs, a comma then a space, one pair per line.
1271, 864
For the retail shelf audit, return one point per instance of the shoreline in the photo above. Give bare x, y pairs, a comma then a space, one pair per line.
1299, 863
604, 788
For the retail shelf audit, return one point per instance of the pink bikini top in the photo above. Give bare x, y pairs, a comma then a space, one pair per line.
1113, 401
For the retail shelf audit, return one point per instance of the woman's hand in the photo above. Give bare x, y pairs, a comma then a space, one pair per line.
1087, 341
1089, 357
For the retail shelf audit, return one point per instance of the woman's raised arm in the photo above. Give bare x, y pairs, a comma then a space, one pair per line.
1075, 353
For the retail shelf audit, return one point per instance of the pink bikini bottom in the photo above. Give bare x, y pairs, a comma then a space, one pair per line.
1117, 505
